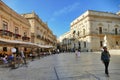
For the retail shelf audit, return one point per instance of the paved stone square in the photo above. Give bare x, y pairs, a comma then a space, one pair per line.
65, 66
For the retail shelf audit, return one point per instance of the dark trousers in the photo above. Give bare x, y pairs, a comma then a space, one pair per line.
106, 67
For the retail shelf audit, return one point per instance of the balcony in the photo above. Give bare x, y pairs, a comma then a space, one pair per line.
17, 36
72, 39
103, 33
6, 33
25, 38
39, 36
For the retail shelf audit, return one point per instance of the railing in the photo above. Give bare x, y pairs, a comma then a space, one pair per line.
5, 33
103, 33
17, 36
9, 34
24, 38
95, 33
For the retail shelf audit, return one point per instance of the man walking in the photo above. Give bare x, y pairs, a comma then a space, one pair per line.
105, 57
23, 57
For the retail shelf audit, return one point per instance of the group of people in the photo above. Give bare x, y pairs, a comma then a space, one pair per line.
105, 58
6, 58
14, 57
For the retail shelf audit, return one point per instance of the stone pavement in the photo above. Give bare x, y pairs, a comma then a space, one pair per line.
65, 66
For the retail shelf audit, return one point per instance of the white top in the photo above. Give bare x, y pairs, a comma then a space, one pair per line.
22, 54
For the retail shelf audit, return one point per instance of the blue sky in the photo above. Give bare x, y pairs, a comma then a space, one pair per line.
60, 13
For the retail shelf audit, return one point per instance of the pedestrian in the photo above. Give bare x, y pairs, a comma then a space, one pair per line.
105, 57
33, 55
58, 51
11, 58
23, 57
78, 53
18, 59
4, 58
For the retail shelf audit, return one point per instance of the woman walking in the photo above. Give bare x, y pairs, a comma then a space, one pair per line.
105, 57
77, 53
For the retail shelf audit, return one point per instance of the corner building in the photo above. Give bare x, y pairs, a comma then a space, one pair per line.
12, 27
40, 32
91, 28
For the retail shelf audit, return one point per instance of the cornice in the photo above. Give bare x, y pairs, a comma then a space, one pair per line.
12, 13
95, 16
104, 17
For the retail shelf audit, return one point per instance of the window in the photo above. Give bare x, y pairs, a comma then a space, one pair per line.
74, 45
83, 31
100, 30
116, 31
84, 44
74, 32
116, 42
5, 25
101, 43
16, 30
25, 49
79, 45
4, 48
78, 33
25, 33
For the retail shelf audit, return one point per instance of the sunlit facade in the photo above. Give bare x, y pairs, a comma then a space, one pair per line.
23, 28
12, 27
89, 30
64, 41
40, 32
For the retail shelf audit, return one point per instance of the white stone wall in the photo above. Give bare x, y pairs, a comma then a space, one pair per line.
89, 29
88, 26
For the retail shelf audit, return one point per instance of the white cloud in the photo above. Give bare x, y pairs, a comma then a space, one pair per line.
67, 9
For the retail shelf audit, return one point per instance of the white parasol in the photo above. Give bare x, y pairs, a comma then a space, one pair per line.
13, 50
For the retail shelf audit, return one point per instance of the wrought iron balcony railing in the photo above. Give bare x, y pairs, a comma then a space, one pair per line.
25, 38
17, 35
5, 33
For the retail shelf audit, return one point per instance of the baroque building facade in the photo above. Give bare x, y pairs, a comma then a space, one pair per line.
40, 32
64, 42
27, 28
13, 27
95, 29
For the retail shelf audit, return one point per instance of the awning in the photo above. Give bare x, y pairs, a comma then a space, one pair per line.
45, 46
5, 42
